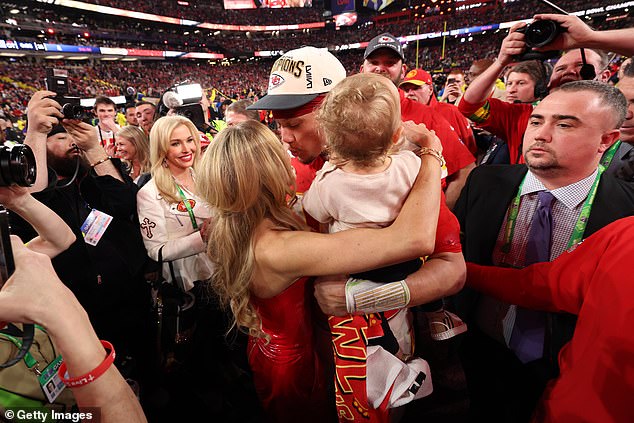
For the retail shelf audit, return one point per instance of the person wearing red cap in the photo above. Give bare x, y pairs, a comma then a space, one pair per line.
384, 55
418, 86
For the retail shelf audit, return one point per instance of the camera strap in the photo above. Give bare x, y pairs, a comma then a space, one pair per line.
27, 334
587, 71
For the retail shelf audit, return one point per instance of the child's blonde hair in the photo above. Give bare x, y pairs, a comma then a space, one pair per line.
359, 118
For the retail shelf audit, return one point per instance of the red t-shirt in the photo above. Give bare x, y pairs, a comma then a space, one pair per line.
459, 123
455, 152
505, 120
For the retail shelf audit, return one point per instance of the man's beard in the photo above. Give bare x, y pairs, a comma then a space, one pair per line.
65, 166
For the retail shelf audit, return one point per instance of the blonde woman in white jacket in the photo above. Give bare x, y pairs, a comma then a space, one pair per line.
172, 217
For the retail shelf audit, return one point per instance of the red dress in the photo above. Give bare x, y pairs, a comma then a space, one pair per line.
292, 380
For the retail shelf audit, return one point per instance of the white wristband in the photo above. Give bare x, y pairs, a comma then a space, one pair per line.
364, 297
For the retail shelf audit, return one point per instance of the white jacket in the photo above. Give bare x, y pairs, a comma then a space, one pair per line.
168, 225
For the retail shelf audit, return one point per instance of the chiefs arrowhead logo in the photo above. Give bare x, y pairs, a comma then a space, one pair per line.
385, 39
275, 81
411, 74
181, 207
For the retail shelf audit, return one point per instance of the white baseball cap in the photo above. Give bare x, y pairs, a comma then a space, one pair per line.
298, 77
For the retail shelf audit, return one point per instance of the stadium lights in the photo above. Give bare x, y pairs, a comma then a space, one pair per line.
14, 11
54, 57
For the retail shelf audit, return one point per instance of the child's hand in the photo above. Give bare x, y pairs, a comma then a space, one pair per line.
421, 136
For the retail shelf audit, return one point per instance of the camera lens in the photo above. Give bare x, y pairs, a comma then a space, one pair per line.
541, 33
72, 111
17, 165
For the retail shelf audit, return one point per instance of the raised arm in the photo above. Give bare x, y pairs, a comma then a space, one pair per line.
42, 114
57, 309
480, 89
578, 34
54, 234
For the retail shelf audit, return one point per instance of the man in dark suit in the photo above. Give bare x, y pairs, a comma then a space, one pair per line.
567, 135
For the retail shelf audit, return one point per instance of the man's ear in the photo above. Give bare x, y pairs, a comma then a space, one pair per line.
403, 71
609, 138
604, 76
397, 135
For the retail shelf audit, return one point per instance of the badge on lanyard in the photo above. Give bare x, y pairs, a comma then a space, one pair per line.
95, 226
50, 381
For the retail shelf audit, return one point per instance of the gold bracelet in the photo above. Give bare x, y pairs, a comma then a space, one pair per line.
100, 161
430, 151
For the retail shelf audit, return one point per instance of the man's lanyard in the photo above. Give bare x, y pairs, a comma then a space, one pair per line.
609, 154
187, 206
580, 226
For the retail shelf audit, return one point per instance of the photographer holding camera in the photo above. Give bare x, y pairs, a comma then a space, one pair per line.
93, 194
508, 121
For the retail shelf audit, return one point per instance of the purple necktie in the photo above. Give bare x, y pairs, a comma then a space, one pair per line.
527, 338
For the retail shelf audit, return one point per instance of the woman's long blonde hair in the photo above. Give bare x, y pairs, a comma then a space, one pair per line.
141, 143
160, 136
247, 177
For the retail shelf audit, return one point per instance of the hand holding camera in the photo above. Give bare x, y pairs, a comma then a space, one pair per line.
513, 45
85, 137
43, 112
572, 33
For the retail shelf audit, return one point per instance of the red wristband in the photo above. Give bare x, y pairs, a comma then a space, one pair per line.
85, 379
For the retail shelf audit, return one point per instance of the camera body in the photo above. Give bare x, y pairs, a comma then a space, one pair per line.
451, 81
539, 34
184, 99
57, 81
17, 165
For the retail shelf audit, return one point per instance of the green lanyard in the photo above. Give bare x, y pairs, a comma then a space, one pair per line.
582, 221
609, 154
28, 358
187, 206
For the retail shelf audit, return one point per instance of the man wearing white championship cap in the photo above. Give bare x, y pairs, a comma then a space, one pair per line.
298, 83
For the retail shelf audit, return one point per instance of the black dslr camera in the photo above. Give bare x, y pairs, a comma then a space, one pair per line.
57, 81
17, 165
539, 34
